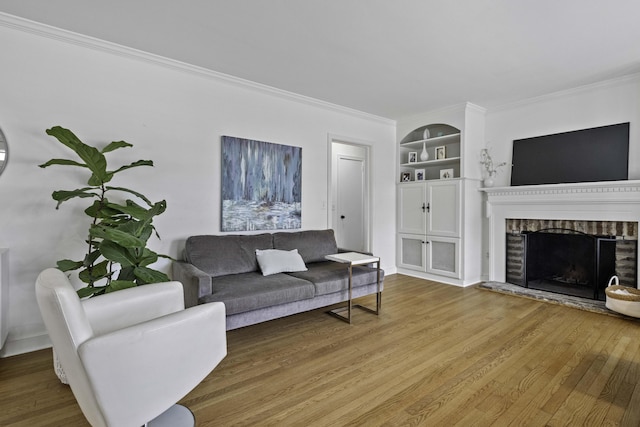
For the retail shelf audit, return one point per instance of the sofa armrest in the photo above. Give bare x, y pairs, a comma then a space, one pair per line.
195, 282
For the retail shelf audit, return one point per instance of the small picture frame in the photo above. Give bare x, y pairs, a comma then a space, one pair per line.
405, 177
441, 152
446, 173
420, 175
413, 157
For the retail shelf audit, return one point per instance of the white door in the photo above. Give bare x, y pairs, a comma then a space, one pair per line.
350, 206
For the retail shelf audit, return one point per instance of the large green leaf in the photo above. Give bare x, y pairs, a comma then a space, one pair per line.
90, 291
117, 285
65, 136
97, 272
126, 273
115, 145
91, 257
93, 159
134, 165
63, 195
146, 275
68, 265
100, 209
120, 237
116, 253
64, 162
148, 257
126, 190
98, 179
132, 209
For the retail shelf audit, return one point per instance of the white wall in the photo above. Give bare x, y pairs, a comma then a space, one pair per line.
173, 115
606, 103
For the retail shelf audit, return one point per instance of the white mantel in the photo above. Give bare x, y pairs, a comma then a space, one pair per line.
591, 201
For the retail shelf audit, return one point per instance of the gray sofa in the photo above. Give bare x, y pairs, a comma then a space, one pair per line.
224, 268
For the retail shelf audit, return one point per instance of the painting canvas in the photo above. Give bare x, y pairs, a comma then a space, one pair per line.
261, 185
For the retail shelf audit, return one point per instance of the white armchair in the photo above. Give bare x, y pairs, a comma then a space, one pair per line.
130, 355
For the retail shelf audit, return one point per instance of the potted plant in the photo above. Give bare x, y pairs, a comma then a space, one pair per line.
117, 256
490, 169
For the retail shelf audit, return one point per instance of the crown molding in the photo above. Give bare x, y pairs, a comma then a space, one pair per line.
70, 37
635, 77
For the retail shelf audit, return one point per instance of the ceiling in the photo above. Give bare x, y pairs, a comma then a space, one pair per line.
391, 58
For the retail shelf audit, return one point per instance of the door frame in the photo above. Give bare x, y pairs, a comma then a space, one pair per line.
332, 194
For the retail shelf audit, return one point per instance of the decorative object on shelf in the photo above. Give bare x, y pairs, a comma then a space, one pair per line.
424, 156
413, 157
405, 177
420, 175
446, 173
490, 170
119, 232
426, 134
441, 153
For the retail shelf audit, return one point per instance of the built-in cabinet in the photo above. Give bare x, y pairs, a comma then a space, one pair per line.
429, 227
439, 205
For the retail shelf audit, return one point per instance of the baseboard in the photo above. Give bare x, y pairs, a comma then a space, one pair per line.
24, 345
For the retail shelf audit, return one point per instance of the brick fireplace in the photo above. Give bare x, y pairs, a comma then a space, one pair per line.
571, 257
601, 209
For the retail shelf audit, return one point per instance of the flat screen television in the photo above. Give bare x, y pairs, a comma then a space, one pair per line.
587, 155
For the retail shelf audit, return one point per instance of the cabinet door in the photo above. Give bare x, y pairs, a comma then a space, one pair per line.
443, 256
412, 208
444, 209
412, 252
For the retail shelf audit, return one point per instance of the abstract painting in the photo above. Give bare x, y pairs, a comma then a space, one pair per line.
261, 185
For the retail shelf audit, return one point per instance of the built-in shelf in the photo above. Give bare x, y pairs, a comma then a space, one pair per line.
445, 142
432, 142
441, 162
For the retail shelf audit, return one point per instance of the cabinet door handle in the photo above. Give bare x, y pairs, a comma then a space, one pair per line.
423, 207
428, 208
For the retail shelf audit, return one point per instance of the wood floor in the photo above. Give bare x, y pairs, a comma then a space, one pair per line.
437, 355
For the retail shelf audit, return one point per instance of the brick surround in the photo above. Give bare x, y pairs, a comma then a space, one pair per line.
626, 233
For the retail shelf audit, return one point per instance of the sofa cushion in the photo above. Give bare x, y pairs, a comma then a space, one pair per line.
272, 261
251, 291
227, 254
328, 276
312, 245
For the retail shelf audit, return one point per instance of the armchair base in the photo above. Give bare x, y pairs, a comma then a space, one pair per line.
175, 416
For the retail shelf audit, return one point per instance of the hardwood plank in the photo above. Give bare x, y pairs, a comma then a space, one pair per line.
436, 355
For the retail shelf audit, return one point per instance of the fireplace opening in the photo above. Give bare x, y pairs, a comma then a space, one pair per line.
569, 262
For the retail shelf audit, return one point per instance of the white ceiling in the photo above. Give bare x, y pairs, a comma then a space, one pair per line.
391, 58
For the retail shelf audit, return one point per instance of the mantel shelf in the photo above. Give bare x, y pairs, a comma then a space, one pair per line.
581, 187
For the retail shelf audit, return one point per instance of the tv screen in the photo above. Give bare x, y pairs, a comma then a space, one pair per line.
588, 155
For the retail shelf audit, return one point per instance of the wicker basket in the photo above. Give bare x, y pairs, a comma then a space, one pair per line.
622, 299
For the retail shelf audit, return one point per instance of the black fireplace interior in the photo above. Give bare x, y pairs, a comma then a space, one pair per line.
569, 262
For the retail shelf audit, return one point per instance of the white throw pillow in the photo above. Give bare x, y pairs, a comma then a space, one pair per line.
274, 261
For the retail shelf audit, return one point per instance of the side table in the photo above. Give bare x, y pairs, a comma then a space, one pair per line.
351, 259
